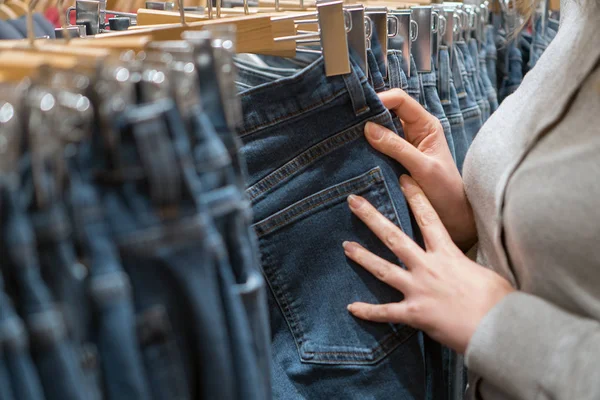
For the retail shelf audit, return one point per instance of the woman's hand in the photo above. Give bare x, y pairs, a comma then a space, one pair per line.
425, 154
445, 294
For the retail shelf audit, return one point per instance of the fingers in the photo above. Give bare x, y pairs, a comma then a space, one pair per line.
392, 145
392, 236
383, 270
434, 231
405, 107
395, 313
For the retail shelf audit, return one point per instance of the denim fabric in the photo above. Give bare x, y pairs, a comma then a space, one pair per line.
242, 285
541, 39
491, 55
66, 277
489, 90
171, 251
251, 75
53, 352
414, 83
433, 104
449, 100
5, 389
110, 293
375, 76
18, 376
513, 70
478, 78
396, 79
469, 108
473, 78
306, 152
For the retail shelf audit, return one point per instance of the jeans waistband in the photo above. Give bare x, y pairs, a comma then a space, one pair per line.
290, 97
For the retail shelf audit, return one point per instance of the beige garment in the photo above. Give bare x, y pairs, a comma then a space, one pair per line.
533, 178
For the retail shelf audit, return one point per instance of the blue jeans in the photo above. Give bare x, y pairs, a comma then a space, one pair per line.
306, 152
244, 288
491, 55
67, 279
396, 79
513, 70
466, 98
172, 252
433, 104
52, 350
449, 100
478, 78
414, 83
110, 293
375, 75
18, 376
488, 88
473, 78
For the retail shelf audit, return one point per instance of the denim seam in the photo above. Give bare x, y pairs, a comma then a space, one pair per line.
275, 121
305, 158
289, 214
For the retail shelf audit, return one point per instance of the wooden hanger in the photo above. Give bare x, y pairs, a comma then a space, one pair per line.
18, 6
6, 12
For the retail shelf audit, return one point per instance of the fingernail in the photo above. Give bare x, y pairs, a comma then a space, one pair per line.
349, 307
405, 182
355, 201
374, 131
348, 247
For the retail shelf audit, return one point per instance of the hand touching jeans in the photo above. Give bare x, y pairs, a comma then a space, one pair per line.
425, 154
445, 293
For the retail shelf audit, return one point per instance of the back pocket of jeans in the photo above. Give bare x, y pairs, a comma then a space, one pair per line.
313, 281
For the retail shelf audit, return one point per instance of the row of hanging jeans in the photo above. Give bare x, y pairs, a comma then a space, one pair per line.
517, 53
129, 267
302, 137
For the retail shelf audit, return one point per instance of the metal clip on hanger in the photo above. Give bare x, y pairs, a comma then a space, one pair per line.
359, 34
334, 23
441, 24
421, 51
92, 15
407, 33
379, 20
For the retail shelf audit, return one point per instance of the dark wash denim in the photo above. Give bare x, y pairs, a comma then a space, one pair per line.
306, 152
109, 290
450, 103
489, 90
52, 350
478, 78
414, 83
513, 70
396, 79
374, 71
240, 277
65, 275
473, 78
171, 251
491, 55
18, 375
433, 104
468, 106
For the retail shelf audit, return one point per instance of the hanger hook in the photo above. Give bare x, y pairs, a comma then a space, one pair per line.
414, 30
63, 21
181, 12
30, 30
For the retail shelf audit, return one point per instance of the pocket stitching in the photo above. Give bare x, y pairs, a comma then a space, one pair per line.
384, 346
374, 176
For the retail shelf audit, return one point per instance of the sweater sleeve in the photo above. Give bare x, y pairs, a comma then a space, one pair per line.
534, 350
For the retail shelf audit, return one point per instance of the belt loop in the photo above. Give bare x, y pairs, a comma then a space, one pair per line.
357, 95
